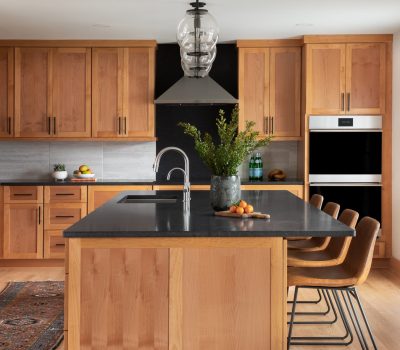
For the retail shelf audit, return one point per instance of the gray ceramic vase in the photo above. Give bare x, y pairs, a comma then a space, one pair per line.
225, 191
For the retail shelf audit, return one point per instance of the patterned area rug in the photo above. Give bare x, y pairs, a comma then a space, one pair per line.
31, 315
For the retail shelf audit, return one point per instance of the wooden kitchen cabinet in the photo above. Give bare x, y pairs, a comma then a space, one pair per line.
6, 92
123, 92
53, 244
269, 90
23, 194
52, 92
65, 194
23, 231
346, 78
59, 216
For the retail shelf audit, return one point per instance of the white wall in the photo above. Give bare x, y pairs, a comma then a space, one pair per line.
396, 147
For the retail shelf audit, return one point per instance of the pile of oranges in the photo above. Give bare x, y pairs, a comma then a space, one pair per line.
241, 208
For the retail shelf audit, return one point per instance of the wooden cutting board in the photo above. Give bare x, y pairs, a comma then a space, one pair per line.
255, 215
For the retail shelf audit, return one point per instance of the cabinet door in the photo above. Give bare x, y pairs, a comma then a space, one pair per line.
6, 92
107, 91
23, 231
32, 92
138, 95
254, 88
58, 216
326, 78
72, 92
285, 75
54, 244
365, 78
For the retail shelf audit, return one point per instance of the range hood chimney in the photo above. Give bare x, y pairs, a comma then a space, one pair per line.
196, 91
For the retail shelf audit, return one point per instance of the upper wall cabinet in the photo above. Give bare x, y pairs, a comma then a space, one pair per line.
52, 92
123, 92
269, 89
6, 92
346, 78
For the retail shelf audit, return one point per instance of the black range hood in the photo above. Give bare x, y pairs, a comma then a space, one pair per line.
196, 91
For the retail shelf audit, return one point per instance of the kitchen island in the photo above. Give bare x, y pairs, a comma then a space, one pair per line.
168, 276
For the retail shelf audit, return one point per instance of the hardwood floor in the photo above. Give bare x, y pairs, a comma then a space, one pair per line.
380, 296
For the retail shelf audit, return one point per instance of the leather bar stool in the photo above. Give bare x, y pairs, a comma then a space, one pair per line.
343, 279
316, 243
316, 201
335, 252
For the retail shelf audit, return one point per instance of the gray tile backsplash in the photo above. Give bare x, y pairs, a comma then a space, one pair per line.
108, 160
277, 155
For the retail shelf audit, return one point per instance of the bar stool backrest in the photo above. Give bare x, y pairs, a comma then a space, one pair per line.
331, 209
338, 246
361, 250
316, 200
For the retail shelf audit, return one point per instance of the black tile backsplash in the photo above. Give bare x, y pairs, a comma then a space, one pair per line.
168, 71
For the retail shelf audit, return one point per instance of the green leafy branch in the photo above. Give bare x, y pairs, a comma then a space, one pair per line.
225, 158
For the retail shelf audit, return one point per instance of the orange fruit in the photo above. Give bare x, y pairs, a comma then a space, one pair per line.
242, 204
232, 209
239, 210
249, 209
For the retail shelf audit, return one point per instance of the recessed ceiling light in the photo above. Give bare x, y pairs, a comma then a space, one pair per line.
304, 25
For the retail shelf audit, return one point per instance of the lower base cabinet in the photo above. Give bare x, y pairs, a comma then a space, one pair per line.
187, 293
53, 244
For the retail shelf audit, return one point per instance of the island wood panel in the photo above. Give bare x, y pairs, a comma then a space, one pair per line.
254, 88
23, 231
285, 81
365, 78
59, 216
23, 194
71, 93
124, 299
98, 195
65, 194
326, 77
107, 94
6, 92
225, 299
33, 86
240, 288
138, 92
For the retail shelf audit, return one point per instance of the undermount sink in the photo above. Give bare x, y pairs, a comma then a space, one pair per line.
148, 199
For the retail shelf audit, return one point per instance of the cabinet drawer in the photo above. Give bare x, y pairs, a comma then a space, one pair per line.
59, 216
54, 244
23, 194
65, 194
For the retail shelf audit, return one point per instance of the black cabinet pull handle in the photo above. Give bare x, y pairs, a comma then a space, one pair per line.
9, 125
348, 101
54, 126
49, 125
342, 103
40, 214
272, 125
60, 244
65, 194
65, 216
23, 194
125, 126
119, 125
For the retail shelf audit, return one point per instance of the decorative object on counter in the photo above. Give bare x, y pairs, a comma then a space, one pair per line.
224, 158
59, 173
84, 172
276, 175
197, 36
256, 167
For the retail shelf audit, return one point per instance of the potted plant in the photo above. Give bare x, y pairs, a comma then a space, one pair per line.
60, 174
224, 158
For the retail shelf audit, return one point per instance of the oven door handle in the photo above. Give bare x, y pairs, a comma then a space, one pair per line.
346, 184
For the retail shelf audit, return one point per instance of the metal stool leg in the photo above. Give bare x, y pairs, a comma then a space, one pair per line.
289, 339
317, 301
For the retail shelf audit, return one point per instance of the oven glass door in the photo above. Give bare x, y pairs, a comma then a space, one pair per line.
366, 200
345, 152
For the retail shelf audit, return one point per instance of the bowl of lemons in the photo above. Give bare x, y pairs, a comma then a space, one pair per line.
84, 172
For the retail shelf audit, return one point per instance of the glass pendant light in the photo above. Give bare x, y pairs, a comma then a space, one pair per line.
197, 37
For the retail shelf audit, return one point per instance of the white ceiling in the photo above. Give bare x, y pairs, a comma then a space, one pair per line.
157, 19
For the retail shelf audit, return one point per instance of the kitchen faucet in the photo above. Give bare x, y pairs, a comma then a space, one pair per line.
186, 183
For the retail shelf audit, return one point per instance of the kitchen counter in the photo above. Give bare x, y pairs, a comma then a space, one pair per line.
183, 276
290, 216
121, 182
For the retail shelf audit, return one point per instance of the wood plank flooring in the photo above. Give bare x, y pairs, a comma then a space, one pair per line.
380, 296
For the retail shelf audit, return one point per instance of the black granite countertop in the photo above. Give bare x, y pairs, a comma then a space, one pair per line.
290, 216
121, 182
